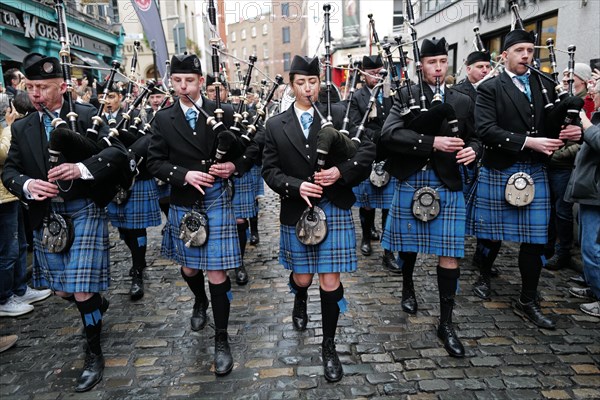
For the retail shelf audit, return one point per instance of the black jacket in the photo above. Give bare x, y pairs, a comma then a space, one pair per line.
466, 87
358, 108
408, 151
176, 149
28, 159
504, 118
289, 160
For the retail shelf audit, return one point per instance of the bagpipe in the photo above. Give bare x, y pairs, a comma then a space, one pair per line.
565, 110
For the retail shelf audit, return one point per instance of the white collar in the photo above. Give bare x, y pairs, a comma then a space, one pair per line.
185, 108
299, 112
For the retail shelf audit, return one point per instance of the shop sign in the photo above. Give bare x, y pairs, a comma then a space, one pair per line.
491, 10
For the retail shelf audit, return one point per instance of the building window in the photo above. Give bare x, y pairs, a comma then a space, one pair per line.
244, 52
265, 51
235, 52
398, 15
267, 72
285, 33
265, 29
286, 61
233, 36
253, 50
285, 9
253, 31
243, 34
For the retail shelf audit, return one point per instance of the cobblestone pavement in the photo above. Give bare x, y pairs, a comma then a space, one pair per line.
151, 352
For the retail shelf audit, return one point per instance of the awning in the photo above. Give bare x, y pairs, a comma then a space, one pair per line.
90, 60
11, 52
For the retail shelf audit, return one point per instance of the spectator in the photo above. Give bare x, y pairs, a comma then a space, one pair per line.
584, 189
12, 79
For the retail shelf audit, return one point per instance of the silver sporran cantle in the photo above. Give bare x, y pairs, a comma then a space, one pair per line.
57, 233
379, 177
311, 228
519, 190
426, 204
193, 229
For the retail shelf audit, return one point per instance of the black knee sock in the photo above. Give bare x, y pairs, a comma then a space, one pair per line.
138, 240
196, 284
447, 283
242, 236
254, 224
530, 265
384, 214
125, 237
220, 300
407, 262
488, 251
330, 310
92, 321
367, 219
164, 206
301, 292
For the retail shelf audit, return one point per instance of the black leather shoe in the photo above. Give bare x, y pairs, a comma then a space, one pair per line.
365, 247
92, 372
477, 259
389, 262
374, 234
533, 312
199, 317
254, 238
241, 276
299, 315
558, 262
136, 291
331, 362
482, 288
223, 358
452, 343
409, 301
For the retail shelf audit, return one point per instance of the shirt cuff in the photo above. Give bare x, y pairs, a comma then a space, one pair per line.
524, 143
86, 175
26, 192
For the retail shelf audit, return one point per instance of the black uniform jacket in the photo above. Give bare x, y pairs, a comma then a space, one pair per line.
408, 151
466, 87
176, 149
358, 108
504, 117
289, 159
28, 159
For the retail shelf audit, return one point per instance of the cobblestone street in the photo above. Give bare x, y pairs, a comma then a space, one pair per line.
151, 352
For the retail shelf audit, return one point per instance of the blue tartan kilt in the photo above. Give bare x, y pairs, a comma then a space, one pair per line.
370, 196
140, 211
222, 249
491, 217
244, 204
164, 190
443, 236
85, 267
337, 253
259, 183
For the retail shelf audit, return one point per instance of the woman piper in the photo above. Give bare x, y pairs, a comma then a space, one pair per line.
289, 161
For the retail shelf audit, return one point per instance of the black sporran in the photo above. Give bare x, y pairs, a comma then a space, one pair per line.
379, 177
193, 229
426, 204
311, 228
58, 233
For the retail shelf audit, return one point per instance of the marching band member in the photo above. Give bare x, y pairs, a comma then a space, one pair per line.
430, 161
289, 158
181, 154
509, 118
370, 197
79, 272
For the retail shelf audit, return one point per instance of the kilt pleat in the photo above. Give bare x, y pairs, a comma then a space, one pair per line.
85, 267
337, 253
222, 249
371, 196
140, 211
259, 183
244, 204
443, 236
491, 217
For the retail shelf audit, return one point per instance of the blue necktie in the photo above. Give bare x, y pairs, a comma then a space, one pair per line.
48, 124
191, 116
524, 79
306, 119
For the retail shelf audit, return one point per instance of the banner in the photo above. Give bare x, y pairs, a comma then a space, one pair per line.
149, 16
351, 22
